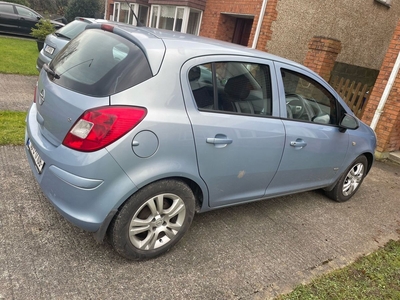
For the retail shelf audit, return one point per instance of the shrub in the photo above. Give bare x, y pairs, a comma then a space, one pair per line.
42, 29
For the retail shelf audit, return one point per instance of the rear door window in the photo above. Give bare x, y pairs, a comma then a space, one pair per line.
233, 87
6, 8
100, 63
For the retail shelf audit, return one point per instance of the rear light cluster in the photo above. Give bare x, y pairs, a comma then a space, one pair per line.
99, 127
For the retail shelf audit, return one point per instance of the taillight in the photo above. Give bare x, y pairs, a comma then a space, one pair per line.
99, 127
34, 93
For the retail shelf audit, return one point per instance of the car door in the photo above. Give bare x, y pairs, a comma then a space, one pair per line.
27, 19
238, 137
315, 147
8, 18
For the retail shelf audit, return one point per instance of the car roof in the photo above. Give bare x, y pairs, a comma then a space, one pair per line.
203, 45
155, 42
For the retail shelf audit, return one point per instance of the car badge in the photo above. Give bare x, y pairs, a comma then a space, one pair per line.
41, 97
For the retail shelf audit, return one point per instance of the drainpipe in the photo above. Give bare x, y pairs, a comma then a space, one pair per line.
386, 93
105, 9
260, 19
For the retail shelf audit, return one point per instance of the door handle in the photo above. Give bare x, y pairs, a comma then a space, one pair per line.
218, 141
299, 143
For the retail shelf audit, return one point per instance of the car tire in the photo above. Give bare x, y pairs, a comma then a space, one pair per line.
350, 181
153, 220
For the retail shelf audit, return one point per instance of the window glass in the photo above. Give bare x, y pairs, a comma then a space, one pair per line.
194, 21
6, 8
73, 28
240, 87
154, 16
117, 64
167, 17
176, 18
26, 12
117, 6
307, 100
143, 13
179, 19
124, 13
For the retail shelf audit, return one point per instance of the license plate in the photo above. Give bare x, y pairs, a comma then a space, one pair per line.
39, 162
49, 49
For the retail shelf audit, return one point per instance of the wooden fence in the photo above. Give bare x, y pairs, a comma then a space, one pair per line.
354, 94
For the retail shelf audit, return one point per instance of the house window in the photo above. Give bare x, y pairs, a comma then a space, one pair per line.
176, 18
194, 22
123, 13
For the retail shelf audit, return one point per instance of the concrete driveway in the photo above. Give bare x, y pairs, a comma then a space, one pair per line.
253, 251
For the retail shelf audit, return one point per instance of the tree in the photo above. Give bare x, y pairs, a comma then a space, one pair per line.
82, 8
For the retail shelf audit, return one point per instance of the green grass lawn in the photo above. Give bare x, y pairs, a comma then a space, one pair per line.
376, 276
18, 56
12, 127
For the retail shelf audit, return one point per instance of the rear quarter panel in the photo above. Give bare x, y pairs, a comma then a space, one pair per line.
166, 117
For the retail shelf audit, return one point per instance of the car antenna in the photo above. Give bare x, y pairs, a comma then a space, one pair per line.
139, 24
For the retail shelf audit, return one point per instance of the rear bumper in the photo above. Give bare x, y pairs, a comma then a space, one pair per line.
84, 187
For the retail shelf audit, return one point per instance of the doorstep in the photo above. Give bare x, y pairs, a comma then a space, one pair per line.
394, 156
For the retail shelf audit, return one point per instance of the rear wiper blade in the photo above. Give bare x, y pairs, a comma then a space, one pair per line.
50, 71
61, 35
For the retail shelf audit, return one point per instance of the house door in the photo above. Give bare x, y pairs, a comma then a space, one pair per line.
242, 31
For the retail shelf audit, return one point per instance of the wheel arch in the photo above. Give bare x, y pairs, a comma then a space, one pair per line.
194, 186
370, 159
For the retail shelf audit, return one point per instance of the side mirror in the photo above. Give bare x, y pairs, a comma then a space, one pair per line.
348, 122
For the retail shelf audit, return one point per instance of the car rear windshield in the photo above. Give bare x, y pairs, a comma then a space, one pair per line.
72, 29
99, 63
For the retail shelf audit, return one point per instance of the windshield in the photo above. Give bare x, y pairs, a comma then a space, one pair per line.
99, 63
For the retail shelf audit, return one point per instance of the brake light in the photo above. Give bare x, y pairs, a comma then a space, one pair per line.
99, 127
107, 27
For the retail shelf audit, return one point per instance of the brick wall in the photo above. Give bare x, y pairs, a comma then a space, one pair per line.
266, 31
387, 129
322, 54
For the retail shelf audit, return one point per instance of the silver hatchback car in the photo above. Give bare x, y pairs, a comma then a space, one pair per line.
132, 139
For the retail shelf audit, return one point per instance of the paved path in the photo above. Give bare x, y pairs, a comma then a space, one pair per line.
253, 251
16, 92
